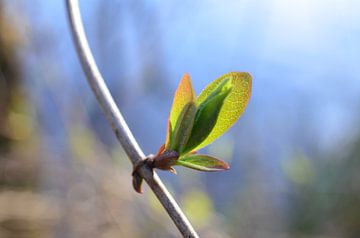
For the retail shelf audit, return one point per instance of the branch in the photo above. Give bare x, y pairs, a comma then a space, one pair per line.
118, 123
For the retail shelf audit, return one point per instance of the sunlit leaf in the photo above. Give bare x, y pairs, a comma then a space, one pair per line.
184, 94
207, 115
233, 106
202, 163
183, 127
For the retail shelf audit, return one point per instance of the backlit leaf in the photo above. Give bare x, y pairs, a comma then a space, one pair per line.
184, 94
183, 127
207, 115
233, 106
202, 162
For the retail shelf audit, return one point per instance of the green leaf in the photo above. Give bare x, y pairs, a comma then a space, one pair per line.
202, 162
223, 85
207, 115
233, 106
183, 128
184, 95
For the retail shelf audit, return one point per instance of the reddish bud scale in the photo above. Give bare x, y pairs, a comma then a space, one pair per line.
165, 160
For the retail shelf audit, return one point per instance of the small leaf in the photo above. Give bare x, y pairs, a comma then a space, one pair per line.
207, 115
203, 163
233, 106
183, 128
184, 94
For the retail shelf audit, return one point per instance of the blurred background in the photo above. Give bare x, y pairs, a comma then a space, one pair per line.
294, 154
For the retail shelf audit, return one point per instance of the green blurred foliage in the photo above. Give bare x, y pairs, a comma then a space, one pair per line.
299, 169
329, 201
198, 206
10, 97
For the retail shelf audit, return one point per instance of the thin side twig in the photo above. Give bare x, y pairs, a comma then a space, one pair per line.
118, 123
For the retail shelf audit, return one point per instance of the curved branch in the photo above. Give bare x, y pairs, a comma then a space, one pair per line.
118, 123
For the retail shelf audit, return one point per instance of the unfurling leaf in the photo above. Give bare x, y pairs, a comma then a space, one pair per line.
196, 122
184, 95
207, 115
183, 128
233, 106
203, 163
